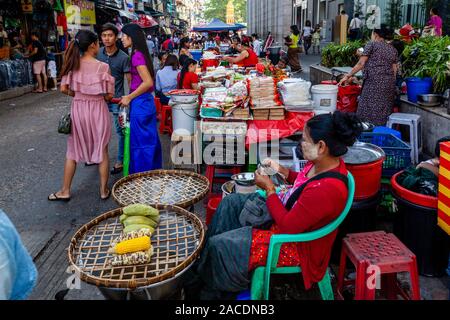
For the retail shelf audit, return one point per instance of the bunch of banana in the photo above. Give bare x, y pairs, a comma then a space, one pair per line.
137, 217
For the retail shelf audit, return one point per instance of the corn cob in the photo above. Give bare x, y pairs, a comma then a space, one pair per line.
140, 210
132, 245
133, 234
141, 257
137, 227
140, 220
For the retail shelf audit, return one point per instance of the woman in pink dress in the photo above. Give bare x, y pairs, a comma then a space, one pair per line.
90, 84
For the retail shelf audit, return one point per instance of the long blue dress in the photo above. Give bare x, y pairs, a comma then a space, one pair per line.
145, 147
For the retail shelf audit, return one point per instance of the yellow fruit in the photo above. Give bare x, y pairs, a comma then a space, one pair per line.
132, 245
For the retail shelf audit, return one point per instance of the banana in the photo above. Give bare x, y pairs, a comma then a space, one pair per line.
139, 220
136, 227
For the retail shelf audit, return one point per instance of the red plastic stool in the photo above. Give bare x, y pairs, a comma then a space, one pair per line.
213, 203
158, 108
211, 171
372, 250
166, 120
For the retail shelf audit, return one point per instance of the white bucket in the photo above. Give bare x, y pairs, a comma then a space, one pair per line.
324, 97
183, 118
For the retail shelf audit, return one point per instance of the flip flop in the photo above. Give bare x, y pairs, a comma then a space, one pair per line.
107, 197
116, 170
54, 197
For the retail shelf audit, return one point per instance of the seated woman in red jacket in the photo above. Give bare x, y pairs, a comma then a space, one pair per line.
247, 57
236, 245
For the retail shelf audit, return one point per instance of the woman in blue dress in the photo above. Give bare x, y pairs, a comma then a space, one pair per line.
145, 147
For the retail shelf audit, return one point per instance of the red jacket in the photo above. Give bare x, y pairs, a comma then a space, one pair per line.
320, 204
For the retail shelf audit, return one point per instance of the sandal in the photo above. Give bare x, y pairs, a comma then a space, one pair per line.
117, 170
54, 197
107, 196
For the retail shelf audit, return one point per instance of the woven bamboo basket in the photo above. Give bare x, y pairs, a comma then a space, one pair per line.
177, 242
168, 187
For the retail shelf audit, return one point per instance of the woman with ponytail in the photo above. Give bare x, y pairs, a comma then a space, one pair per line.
90, 84
145, 147
187, 78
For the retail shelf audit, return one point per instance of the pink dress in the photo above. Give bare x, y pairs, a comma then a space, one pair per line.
91, 120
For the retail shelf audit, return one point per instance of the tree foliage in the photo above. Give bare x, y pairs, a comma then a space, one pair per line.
218, 9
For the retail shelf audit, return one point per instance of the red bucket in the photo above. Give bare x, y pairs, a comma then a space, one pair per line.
206, 63
414, 198
367, 179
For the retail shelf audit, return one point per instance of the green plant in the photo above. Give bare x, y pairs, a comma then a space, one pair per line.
335, 55
428, 57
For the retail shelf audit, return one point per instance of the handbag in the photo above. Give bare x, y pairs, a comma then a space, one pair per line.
65, 124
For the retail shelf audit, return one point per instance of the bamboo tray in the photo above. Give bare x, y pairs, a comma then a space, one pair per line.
177, 242
169, 187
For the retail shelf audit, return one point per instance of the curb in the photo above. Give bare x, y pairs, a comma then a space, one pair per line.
15, 92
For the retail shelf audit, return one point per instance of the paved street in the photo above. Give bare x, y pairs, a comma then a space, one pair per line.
32, 157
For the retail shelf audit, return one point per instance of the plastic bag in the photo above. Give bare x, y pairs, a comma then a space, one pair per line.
420, 180
295, 93
347, 100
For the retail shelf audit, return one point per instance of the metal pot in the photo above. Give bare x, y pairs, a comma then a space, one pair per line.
246, 179
228, 188
158, 291
429, 100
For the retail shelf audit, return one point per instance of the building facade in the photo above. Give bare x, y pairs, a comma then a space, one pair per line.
264, 16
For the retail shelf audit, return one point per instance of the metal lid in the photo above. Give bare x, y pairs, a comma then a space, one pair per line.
363, 153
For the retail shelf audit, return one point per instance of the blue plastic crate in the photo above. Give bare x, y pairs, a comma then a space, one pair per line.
398, 153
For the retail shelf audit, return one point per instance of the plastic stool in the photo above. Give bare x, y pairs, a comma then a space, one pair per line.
166, 120
225, 173
213, 204
158, 108
388, 130
380, 250
415, 128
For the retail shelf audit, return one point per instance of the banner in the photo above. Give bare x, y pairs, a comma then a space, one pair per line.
79, 12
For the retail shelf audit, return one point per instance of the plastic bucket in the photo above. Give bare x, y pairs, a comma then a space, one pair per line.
324, 97
418, 86
416, 226
367, 179
183, 118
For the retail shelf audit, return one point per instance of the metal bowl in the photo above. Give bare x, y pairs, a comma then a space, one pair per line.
244, 179
363, 153
430, 100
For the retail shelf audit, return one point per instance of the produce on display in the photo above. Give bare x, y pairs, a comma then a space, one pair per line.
131, 245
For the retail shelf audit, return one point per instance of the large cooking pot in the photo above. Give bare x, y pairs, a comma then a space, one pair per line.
365, 162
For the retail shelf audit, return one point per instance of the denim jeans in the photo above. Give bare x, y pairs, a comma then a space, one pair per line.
114, 109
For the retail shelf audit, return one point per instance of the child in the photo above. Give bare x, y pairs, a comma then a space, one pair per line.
316, 39
51, 70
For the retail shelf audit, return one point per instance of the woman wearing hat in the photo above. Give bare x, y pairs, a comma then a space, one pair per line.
145, 147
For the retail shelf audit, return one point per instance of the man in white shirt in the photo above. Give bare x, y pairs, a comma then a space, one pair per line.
257, 44
354, 30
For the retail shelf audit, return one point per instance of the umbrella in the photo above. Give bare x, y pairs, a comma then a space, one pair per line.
217, 25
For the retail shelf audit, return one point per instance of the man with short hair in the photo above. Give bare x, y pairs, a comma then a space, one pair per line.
168, 45
354, 30
257, 44
37, 57
119, 63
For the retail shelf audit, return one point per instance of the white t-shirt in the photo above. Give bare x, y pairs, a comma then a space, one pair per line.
356, 23
257, 47
307, 31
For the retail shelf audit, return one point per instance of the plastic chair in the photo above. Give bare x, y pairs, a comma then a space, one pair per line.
261, 277
158, 108
166, 120
415, 128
